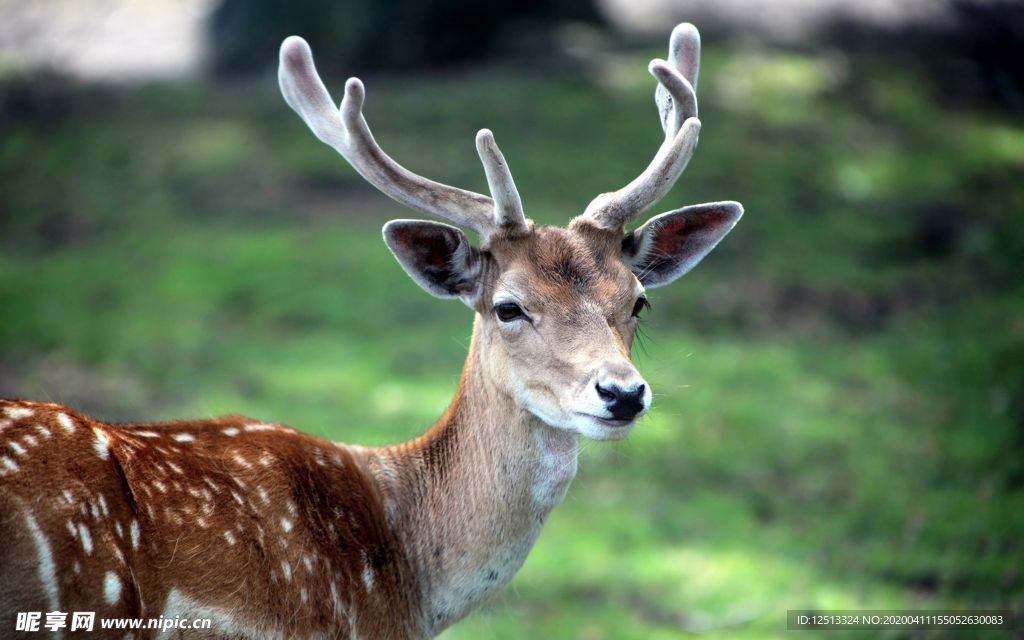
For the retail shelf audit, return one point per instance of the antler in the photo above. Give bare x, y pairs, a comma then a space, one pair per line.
677, 105
346, 131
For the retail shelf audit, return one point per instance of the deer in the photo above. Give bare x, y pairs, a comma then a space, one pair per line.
267, 532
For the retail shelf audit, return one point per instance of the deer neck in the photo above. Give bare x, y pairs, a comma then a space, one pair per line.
468, 498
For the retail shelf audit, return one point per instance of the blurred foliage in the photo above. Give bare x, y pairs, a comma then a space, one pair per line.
368, 35
840, 412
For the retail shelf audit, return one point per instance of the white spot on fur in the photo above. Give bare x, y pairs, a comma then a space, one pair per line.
103, 506
76, 567
18, 412
44, 431
184, 437
147, 434
47, 568
30, 440
83, 532
161, 487
66, 422
230, 431
291, 509
9, 464
259, 426
286, 524
72, 529
120, 530
309, 564
101, 445
111, 588
287, 569
134, 530
242, 461
202, 522
263, 495
368, 575
336, 600
266, 459
18, 449
68, 497
229, 537
176, 468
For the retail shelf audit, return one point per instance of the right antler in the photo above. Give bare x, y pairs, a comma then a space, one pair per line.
676, 98
346, 131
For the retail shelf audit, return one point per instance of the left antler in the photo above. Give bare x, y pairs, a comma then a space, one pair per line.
347, 132
677, 105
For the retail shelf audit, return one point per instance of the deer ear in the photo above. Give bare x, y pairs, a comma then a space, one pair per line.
671, 244
437, 256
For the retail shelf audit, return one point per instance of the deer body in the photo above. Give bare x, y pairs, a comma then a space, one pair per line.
271, 533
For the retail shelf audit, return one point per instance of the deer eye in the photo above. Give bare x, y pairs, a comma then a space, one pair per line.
641, 302
508, 311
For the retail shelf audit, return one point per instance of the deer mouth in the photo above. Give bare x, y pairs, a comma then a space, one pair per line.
609, 422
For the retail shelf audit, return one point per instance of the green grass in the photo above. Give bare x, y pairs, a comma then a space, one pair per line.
840, 385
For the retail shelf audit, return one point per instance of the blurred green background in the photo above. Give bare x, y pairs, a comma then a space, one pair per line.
839, 411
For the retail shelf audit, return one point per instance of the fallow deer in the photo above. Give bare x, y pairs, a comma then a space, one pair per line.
272, 533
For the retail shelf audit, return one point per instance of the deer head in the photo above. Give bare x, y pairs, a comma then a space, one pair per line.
556, 309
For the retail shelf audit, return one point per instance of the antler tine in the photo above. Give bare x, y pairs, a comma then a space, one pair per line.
507, 205
677, 105
684, 51
347, 132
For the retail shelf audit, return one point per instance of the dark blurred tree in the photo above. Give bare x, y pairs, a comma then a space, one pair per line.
975, 55
992, 35
368, 35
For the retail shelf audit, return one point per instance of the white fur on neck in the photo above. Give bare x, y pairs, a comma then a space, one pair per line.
556, 466
547, 471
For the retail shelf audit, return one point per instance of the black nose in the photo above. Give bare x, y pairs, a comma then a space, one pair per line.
622, 403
